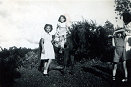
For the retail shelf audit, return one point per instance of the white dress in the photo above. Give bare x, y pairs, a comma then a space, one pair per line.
60, 36
48, 47
62, 28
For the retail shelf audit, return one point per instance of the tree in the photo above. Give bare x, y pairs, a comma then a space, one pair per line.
109, 27
123, 9
121, 6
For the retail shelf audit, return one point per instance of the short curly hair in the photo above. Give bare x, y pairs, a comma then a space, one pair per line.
63, 17
48, 25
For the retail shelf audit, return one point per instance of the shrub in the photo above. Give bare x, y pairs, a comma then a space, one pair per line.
90, 40
10, 60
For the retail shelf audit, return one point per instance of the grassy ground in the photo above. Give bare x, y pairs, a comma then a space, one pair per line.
92, 73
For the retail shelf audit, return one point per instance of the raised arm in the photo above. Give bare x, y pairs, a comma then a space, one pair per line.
121, 30
128, 33
128, 29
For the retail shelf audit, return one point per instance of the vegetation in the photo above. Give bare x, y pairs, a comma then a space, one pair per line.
10, 61
123, 9
90, 41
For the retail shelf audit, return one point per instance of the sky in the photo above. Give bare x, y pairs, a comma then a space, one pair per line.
22, 21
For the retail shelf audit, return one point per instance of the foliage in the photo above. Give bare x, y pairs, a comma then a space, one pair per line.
91, 40
10, 61
31, 60
122, 6
109, 27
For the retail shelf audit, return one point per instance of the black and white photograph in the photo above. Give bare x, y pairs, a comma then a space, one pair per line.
65, 43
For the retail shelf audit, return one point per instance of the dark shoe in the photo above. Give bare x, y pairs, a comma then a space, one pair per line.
71, 72
62, 72
45, 74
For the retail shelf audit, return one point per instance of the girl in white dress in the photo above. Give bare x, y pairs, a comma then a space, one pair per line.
61, 32
47, 50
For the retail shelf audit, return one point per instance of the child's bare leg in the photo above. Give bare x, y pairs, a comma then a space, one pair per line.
62, 44
114, 70
125, 71
47, 65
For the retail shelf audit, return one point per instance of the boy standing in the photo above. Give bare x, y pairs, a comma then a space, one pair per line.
120, 44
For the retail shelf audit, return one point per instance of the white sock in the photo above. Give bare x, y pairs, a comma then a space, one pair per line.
45, 72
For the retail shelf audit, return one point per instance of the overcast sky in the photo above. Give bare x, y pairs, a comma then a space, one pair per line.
21, 21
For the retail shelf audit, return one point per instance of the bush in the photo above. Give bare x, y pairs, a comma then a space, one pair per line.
90, 40
10, 60
31, 60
